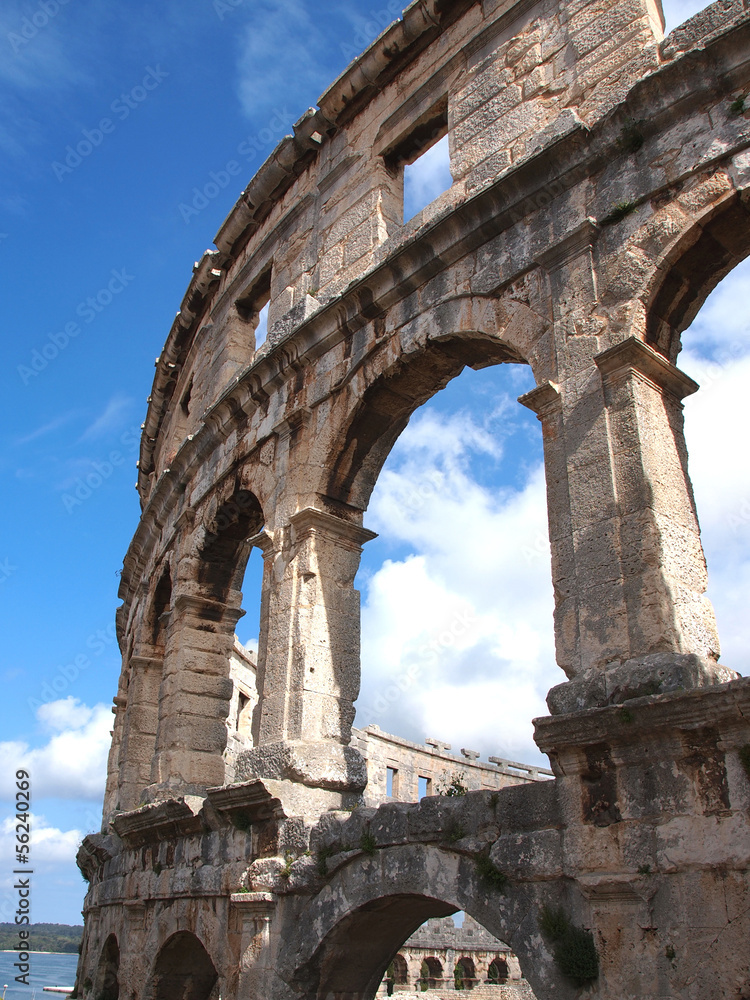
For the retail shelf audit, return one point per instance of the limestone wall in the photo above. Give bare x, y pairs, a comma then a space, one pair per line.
431, 766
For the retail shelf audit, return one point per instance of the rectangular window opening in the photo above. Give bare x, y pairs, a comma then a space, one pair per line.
425, 786
391, 782
252, 306
422, 159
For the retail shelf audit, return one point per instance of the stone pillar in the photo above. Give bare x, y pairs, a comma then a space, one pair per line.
628, 569
194, 698
308, 663
255, 910
141, 721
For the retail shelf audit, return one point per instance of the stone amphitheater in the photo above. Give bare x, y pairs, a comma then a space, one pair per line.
601, 190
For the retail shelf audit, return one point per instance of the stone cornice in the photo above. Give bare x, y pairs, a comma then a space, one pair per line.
311, 521
633, 355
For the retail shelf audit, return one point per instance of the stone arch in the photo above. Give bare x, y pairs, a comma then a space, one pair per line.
711, 248
498, 971
400, 970
184, 969
433, 349
223, 548
107, 983
431, 973
160, 605
196, 687
465, 973
370, 906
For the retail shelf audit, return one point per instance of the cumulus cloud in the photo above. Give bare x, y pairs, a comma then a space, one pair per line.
717, 356
72, 764
49, 845
457, 638
461, 629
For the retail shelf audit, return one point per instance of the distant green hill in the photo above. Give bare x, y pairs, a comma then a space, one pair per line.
44, 937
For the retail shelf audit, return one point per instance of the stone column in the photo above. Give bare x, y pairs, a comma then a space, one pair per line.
308, 663
194, 698
141, 710
628, 569
255, 911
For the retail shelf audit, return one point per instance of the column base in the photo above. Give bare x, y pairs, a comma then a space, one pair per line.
317, 765
656, 673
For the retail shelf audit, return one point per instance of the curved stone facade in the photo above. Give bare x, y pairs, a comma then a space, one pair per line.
601, 179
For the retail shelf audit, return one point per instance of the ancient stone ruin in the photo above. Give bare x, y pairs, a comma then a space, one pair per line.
601, 189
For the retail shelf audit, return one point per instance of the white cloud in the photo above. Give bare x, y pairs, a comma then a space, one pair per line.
48, 844
717, 355
457, 640
72, 764
278, 49
426, 178
110, 419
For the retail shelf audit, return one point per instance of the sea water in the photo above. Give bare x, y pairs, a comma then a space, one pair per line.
46, 970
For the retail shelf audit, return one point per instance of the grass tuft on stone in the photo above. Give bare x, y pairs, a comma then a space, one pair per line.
367, 842
574, 948
490, 874
618, 212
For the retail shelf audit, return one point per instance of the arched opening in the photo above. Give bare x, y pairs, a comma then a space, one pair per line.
438, 955
715, 351
160, 607
430, 974
457, 600
183, 969
498, 972
107, 984
225, 551
698, 318
465, 974
397, 977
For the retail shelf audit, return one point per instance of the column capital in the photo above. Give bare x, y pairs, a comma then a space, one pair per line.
544, 400
311, 521
635, 356
203, 608
580, 240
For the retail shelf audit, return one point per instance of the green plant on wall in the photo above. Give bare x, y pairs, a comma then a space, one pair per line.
574, 948
490, 874
452, 787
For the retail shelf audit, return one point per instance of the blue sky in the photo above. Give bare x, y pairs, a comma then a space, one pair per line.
117, 126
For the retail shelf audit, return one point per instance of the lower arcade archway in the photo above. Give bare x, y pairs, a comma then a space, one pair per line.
183, 971
363, 918
107, 985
